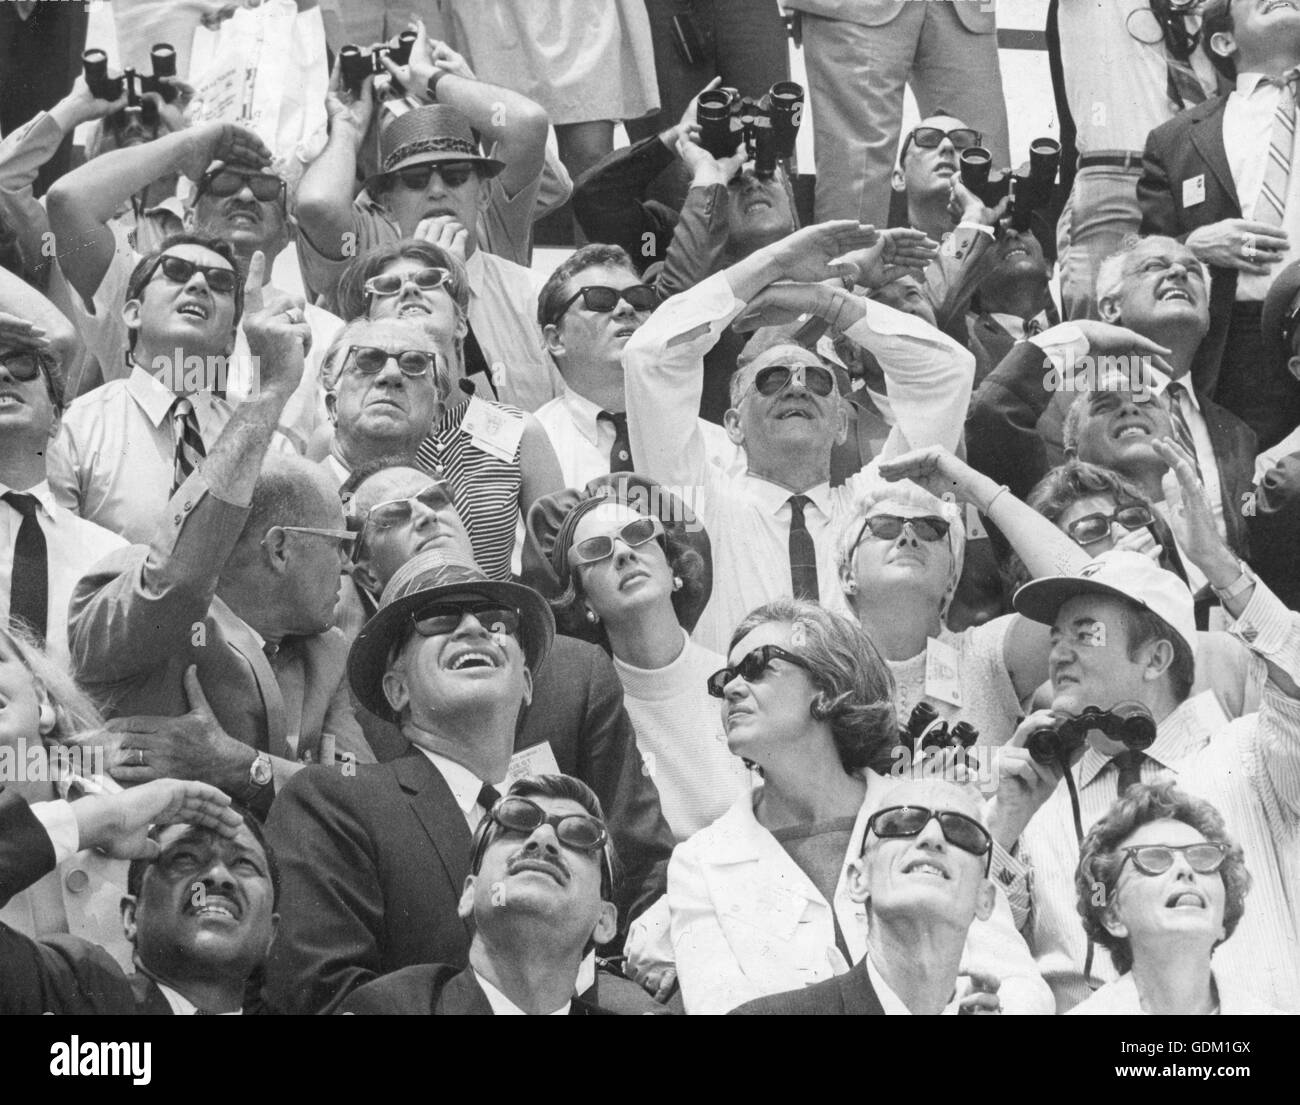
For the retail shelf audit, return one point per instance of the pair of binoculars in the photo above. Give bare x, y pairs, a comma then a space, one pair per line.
926, 730
356, 66
162, 58
1130, 723
768, 126
1030, 191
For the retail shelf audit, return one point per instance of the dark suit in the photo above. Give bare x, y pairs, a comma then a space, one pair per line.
1230, 366
436, 990
850, 994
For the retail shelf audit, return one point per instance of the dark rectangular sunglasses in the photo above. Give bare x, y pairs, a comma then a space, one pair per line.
898, 822
370, 360
179, 271
928, 138
576, 830
1204, 858
1092, 528
770, 380
598, 297
227, 182
751, 668
887, 527
24, 365
439, 619
453, 174
391, 283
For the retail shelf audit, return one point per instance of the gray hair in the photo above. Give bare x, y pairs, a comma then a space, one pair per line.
1110, 274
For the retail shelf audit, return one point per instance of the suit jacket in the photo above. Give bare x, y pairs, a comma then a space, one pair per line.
1187, 146
976, 16
578, 708
435, 989
144, 614
850, 994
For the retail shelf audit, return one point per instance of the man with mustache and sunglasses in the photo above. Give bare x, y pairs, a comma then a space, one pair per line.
775, 525
538, 898
923, 876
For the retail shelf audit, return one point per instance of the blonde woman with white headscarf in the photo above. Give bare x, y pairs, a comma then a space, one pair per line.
900, 561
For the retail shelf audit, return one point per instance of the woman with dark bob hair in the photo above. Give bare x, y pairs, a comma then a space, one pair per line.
628, 567
1161, 884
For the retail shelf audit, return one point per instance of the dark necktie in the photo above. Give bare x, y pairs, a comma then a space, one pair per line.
189, 443
1130, 770
620, 453
803, 554
475, 361
488, 796
29, 587
1182, 430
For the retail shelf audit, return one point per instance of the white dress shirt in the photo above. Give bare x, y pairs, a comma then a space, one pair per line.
464, 785
72, 546
890, 1002
1121, 998
182, 1006
502, 1006
929, 379
114, 459
582, 441
1247, 131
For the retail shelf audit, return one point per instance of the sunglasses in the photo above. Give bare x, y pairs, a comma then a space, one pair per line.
452, 173
1155, 859
179, 271
751, 668
578, 831
228, 182
597, 297
928, 138
392, 283
772, 379
440, 619
637, 532
24, 365
397, 512
369, 360
1092, 528
898, 822
887, 527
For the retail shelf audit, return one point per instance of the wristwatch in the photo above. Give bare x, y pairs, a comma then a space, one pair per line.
1238, 586
260, 772
431, 86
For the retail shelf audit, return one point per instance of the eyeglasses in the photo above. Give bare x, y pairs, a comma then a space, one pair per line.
887, 527
369, 360
391, 283
598, 297
1204, 858
897, 822
179, 271
1092, 528
574, 830
439, 619
772, 379
228, 182
751, 668
928, 138
24, 365
453, 174
344, 537
637, 532
397, 512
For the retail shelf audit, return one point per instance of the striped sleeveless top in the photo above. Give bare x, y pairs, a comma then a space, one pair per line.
484, 487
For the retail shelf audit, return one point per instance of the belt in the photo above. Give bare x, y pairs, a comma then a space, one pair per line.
1116, 159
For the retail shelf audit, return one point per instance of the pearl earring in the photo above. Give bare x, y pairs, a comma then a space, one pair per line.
677, 583
850, 586
593, 617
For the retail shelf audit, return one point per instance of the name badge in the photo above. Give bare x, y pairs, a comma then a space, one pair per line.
492, 429
942, 680
1194, 190
535, 760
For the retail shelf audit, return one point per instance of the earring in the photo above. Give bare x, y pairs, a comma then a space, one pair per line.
850, 586
593, 617
677, 583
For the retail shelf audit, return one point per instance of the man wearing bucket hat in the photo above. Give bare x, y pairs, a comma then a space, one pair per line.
434, 182
1124, 633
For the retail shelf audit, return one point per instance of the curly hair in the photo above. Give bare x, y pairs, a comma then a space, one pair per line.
1100, 858
855, 685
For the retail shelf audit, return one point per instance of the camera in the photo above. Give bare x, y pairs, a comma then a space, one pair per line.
1130, 723
1030, 191
162, 59
926, 730
357, 66
768, 126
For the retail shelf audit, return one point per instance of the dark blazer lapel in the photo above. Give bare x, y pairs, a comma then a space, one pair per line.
462, 996
149, 1000
1234, 453
857, 995
436, 807
1206, 132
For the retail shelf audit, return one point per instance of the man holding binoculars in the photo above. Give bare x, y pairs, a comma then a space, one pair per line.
1123, 633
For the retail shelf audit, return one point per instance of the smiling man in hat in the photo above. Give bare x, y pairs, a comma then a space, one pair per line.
1123, 631
434, 182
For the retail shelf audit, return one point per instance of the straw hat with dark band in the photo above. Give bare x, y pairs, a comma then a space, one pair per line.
427, 135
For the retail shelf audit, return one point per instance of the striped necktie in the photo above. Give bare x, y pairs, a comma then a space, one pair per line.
1277, 169
189, 443
803, 554
1182, 430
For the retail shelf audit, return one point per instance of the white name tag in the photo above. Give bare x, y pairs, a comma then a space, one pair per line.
1194, 190
492, 429
536, 760
942, 679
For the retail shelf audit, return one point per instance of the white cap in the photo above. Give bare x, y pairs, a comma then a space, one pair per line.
1123, 574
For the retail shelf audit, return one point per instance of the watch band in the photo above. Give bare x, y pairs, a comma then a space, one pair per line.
431, 86
1238, 586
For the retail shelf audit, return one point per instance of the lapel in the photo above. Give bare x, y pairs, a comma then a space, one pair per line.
433, 803
857, 995
1206, 130
240, 640
149, 1000
462, 996
1229, 447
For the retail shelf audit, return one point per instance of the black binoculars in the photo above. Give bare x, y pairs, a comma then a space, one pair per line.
356, 66
1130, 723
768, 126
925, 730
162, 58
1030, 191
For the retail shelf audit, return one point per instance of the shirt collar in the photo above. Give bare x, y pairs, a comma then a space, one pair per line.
464, 784
1160, 382
156, 399
772, 497
1188, 728
502, 1006
182, 1006
890, 1002
1248, 83
585, 414
40, 492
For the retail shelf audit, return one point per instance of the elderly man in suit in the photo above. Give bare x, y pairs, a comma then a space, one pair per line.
1221, 176
231, 603
199, 912
860, 54
923, 876
538, 894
